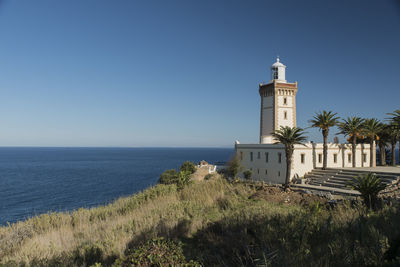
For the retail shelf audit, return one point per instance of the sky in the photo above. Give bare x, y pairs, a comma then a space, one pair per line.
186, 73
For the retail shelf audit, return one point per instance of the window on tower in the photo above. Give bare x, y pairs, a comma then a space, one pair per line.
285, 101
285, 115
275, 73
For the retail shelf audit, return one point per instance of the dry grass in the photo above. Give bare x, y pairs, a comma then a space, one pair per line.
219, 224
113, 227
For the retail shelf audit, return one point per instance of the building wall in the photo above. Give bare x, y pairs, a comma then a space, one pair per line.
288, 108
272, 170
267, 116
276, 171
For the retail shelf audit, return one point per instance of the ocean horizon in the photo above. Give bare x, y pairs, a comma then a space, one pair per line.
37, 180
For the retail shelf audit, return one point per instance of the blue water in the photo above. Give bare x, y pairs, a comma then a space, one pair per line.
39, 180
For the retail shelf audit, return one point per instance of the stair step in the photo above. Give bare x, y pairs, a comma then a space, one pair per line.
340, 178
364, 173
328, 184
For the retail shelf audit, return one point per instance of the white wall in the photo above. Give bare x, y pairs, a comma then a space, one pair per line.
289, 101
288, 108
267, 116
289, 117
276, 171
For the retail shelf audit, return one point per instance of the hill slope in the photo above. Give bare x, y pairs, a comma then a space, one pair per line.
218, 223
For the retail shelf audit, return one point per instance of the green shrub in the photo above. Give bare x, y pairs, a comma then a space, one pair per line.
155, 252
188, 166
208, 176
183, 179
168, 177
233, 167
369, 186
247, 174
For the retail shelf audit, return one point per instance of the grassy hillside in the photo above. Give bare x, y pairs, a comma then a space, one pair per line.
213, 222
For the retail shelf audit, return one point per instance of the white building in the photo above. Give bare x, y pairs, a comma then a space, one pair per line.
278, 108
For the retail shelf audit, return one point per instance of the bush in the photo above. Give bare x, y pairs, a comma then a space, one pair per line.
233, 167
168, 177
183, 179
156, 252
369, 186
180, 178
208, 176
188, 166
247, 174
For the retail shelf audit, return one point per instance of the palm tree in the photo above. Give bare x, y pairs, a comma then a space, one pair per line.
324, 120
394, 135
352, 127
289, 137
369, 186
383, 138
395, 116
394, 132
371, 128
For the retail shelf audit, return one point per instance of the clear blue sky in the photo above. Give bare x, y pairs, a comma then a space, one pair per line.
186, 73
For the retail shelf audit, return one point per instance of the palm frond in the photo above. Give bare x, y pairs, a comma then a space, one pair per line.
324, 120
289, 136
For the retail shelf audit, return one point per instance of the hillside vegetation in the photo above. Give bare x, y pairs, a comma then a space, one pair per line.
212, 222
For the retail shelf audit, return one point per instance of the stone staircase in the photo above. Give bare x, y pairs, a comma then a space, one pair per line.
339, 178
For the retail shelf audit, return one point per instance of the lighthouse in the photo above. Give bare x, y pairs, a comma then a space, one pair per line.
278, 103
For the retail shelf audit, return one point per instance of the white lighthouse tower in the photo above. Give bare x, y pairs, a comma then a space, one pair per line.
278, 103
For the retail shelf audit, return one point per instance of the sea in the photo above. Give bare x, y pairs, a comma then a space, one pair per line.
41, 180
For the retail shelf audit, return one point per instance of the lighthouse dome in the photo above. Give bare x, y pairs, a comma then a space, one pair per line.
278, 71
277, 64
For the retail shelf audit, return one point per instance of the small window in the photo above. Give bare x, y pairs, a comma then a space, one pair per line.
285, 101
279, 173
266, 171
275, 73
302, 157
335, 158
266, 156
251, 156
285, 115
241, 155
258, 171
349, 158
319, 158
259, 155
364, 158
279, 157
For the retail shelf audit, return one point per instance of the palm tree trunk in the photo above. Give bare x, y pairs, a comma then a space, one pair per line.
289, 153
382, 153
372, 156
353, 148
325, 148
393, 153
